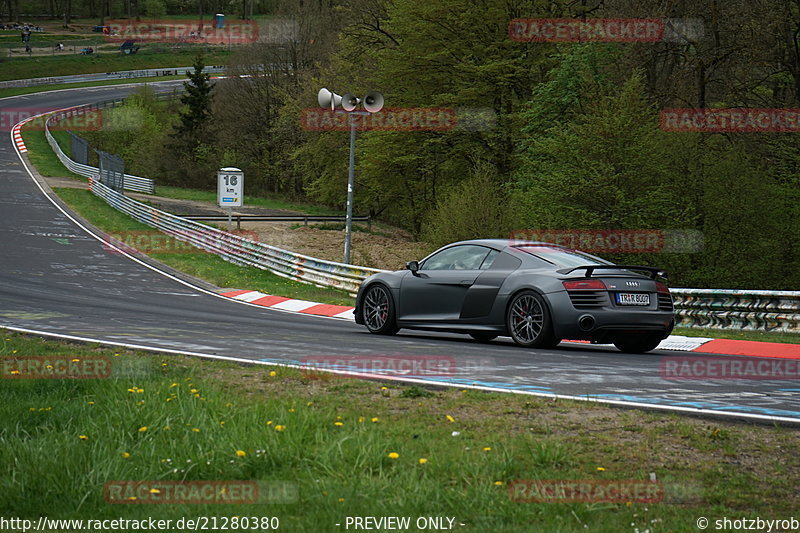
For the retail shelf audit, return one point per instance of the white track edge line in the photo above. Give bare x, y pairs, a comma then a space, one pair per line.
383, 377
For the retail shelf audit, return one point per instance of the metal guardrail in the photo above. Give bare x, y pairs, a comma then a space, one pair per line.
305, 219
125, 74
237, 249
132, 183
751, 310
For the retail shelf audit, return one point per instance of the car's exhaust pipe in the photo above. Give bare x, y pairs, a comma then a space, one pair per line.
586, 322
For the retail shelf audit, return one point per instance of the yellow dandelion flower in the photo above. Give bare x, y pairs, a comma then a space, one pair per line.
338, 424
361, 419
450, 418
291, 410
142, 429
394, 455
269, 422
155, 491
32, 409
48, 408
601, 469
240, 453
91, 403
341, 500
374, 419
279, 428
309, 404
498, 483
272, 373
196, 430
132, 498
167, 428
422, 460
487, 449
76, 360
197, 395
125, 455
384, 388
116, 355
174, 385
168, 400
221, 422
15, 372
163, 364
193, 391
83, 437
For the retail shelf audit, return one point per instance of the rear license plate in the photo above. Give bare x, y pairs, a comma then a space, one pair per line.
633, 298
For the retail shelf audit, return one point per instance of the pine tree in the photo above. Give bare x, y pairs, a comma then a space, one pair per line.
196, 115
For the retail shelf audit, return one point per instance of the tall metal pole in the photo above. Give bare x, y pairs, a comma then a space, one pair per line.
350, 178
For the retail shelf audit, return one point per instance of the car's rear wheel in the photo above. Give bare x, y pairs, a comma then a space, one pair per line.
379, 311
528, 321
638, 342
483, 337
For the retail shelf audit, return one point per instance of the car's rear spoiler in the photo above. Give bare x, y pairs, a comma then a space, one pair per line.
652, 271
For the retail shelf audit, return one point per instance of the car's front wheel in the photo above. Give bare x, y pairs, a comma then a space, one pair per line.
638, 342
528, 321
379, 311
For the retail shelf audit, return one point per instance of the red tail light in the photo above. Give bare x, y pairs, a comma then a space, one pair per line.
660, 287
585, 285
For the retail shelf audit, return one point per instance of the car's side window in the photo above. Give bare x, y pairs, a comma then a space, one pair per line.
489, 259
467, 257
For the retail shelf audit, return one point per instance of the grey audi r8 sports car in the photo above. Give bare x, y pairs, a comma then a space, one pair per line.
535, 292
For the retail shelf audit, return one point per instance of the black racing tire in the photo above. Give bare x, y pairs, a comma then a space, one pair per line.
378, 310
529, 322
483, 337
637, 342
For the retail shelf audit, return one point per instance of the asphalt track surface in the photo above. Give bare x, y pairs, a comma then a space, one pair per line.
56, 278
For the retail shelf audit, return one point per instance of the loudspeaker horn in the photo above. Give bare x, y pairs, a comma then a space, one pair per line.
373, 101
328, 99
350, 102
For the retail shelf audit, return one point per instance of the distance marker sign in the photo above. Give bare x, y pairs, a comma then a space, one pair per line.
230, 184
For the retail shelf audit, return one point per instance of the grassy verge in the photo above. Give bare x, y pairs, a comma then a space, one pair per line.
41, 154
200, 264
789, 338
43, 66
16, 91
172, 418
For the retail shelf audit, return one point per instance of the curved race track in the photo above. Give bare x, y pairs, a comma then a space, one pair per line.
56, 278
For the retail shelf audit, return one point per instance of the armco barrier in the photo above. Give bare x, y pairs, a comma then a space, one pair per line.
132, 183
236, 249
122, 75
694, 308
738, 309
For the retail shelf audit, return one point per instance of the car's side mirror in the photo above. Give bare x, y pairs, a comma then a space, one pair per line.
413, 266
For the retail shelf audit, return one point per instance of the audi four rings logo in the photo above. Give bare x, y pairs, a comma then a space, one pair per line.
632, 283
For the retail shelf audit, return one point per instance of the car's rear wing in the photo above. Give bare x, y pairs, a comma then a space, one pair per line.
652, 272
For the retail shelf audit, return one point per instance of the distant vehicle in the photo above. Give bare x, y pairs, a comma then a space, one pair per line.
128, 47
87, 51
535, 292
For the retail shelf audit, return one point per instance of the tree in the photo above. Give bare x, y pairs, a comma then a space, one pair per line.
196, 114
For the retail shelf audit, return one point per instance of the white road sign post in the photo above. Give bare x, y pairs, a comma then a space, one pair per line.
230, 184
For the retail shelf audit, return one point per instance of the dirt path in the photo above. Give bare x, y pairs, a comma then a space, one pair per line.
384, 247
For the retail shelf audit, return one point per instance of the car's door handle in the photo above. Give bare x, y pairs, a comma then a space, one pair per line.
466, 283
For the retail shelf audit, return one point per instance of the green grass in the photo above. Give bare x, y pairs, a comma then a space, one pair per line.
789, 338
41, 154
16, 91
43, 66
711, 469
202, 265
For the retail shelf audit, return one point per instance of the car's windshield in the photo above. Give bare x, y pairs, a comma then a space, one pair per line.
562, 257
